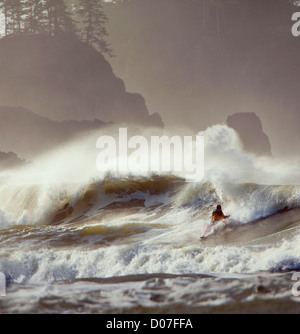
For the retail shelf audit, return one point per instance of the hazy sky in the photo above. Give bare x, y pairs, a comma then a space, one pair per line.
195, 77
196, 63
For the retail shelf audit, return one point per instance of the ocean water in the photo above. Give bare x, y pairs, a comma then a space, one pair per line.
75, 241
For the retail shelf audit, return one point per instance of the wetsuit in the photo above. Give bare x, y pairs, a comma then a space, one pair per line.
217, 215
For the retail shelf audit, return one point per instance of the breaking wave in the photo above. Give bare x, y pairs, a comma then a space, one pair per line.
90, 225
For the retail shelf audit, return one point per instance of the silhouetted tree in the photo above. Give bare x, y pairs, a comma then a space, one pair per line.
93, 21
53, 17
12, 11
17, 11
36, 16
58, 17
4, 7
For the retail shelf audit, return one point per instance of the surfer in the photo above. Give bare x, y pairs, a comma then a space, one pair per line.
217, 215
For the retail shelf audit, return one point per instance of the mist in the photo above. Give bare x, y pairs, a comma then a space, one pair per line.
197, 63
179, 64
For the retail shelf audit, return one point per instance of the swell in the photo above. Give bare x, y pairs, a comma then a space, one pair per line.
152, 199
245, 203
116, 196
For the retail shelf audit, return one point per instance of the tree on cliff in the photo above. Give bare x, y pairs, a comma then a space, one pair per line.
13, 12
58, 17
36, 16
93, 21
53, 17
33, 16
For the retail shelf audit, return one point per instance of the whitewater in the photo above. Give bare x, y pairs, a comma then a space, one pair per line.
74, 240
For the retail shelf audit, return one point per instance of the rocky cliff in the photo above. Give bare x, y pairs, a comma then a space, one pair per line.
29, 134
64, 79
250, 129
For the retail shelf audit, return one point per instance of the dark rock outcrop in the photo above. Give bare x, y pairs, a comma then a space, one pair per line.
250, 129
10, 160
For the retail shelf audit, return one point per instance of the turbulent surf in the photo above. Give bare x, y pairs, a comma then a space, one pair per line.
131, 243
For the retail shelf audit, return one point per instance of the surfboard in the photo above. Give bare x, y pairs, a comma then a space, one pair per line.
211, 228
207, 231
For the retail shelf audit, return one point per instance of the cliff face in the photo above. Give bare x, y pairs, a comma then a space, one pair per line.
64, 79
250, 129
29, 134
10, 160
